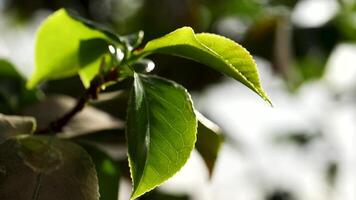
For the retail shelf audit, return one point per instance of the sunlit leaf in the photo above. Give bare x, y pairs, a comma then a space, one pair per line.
161, 131
46, 168
61, 42
218, 52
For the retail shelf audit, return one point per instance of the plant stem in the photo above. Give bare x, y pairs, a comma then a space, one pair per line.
91, 93
59, 124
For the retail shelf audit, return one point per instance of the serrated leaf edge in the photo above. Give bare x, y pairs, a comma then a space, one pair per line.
257, 90
133, 195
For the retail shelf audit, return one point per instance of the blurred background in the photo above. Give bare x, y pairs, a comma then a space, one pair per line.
303, 148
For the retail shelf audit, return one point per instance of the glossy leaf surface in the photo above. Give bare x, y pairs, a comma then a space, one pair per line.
61, 42
161, 131
218, 52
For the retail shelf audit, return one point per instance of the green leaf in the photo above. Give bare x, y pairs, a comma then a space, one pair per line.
93, 53
218, 52
209, 141
161, 131
40, 167
108, 173
8, 70
13, 93
60, 43
15, 125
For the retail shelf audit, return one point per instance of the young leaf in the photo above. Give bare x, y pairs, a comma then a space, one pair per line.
218, 52
46, 168
60, 42
161, 131
209, 141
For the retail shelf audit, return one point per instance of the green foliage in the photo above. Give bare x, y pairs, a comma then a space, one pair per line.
161, 131
8, 70
64, 52
161, 124
220, 53
108, 173
13, 93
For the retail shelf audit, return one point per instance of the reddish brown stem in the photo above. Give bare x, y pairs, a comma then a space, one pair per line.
91, 93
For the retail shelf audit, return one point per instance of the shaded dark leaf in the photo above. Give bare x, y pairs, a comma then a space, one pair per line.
13, 93
160, 195
46, 168
209, 141
108, 173
112, 142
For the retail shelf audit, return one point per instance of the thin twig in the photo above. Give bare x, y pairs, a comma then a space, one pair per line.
59, 124
91, 93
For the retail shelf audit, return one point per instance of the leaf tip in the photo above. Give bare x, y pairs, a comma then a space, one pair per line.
269, 102
265, 97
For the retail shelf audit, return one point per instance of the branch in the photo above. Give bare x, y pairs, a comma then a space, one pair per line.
59, 124
91, 93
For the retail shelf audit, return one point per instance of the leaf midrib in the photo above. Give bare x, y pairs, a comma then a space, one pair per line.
211, 52
227, 62
148, 132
